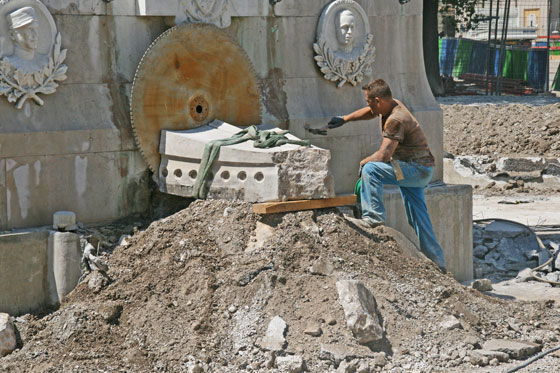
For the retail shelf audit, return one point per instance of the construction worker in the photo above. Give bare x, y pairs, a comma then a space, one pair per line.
403, 159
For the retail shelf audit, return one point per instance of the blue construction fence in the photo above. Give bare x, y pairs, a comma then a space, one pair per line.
461, 56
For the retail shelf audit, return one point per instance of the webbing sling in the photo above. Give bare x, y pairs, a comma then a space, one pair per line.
262, 139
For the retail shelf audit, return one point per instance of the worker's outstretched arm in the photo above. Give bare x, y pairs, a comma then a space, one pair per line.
360, 114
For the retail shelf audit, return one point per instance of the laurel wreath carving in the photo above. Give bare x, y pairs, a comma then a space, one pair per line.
19, 86
343, 70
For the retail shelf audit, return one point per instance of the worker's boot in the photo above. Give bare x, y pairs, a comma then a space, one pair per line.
363, 223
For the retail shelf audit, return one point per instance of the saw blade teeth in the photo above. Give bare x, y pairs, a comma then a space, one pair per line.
144, 131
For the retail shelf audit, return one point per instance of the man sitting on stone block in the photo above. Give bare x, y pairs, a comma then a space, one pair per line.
404, 159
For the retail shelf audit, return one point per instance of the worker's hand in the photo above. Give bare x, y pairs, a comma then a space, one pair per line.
336, 122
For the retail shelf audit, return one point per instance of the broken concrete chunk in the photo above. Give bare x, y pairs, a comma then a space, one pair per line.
515, 349
313, 329
290, 363
502, 229
321, 267
241, 171
480, 251
275, 340
482, 285
450, 323
556, 262
553, 276
521, 164
479, 354
8, 342
360, 311
524, 275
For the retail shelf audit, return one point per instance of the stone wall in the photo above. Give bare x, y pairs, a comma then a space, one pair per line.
77, 151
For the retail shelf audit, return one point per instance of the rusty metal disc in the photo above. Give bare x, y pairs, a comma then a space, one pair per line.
191, 75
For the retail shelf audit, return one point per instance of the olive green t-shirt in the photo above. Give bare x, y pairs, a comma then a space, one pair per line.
401, 125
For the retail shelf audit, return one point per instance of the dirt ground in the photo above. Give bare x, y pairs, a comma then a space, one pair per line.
515, 129
194, 292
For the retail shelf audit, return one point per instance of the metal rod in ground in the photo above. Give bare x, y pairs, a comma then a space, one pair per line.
503, 48
532, 360
495, 45
488, 49
547, 80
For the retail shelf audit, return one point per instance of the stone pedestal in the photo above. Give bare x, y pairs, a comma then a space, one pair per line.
64, 258
450, 209
242, 171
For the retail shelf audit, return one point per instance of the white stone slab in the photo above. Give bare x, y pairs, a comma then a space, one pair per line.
242, 171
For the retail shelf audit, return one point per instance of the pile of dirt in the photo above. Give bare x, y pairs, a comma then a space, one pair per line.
195, 292
516, 129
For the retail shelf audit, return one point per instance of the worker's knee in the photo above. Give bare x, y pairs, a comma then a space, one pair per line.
373, 169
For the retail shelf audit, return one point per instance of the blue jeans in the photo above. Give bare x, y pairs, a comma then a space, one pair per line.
416, 177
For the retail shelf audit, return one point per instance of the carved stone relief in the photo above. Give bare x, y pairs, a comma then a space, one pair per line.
31, 59
214, 12
344, 47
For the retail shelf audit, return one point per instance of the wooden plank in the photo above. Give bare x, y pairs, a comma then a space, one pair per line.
304, 204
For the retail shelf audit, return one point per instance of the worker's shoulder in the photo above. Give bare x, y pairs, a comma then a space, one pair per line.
400, 113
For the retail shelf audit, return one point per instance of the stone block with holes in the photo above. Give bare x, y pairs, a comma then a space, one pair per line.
241, 171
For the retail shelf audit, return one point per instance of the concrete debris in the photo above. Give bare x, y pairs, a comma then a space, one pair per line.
97, 281
314, 330
321, 267
92, 262
483, 357
275, 340
124, 240
515, 349
290, 364
482, 285
360, 311
503, 249
450, 323
8, 342
521, 164
524, 275
500, 229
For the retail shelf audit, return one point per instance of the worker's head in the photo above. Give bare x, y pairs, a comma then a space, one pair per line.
378, 96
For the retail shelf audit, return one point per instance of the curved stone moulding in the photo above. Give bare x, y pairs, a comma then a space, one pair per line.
31, 58
344, 47
241, 171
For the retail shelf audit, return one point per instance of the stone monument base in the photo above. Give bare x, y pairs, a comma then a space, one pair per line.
450, 209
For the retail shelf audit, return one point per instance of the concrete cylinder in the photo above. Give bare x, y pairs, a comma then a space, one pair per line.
64, 264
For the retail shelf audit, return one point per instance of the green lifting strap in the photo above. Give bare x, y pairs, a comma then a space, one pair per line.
262, 139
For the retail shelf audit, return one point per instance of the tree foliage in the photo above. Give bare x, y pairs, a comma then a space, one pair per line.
461, 13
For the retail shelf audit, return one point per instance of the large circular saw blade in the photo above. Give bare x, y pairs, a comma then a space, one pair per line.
191, 75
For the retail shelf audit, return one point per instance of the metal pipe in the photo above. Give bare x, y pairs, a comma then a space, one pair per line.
488, 48
547, 80
496, 43
503, 48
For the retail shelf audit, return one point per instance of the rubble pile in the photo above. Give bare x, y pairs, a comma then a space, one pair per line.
216, 288
504, 250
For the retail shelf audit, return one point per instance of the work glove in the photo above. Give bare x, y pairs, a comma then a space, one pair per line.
336, 122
